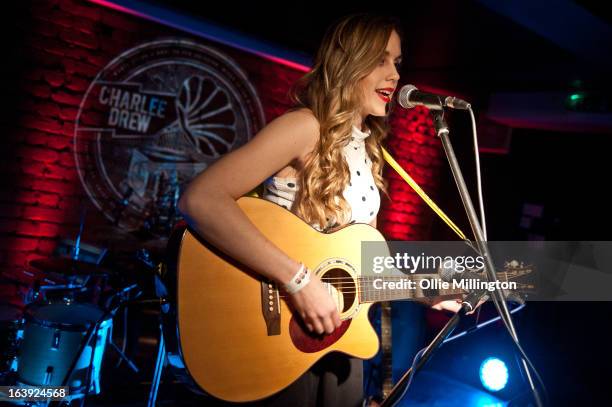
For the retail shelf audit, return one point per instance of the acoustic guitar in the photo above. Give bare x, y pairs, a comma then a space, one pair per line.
238, 338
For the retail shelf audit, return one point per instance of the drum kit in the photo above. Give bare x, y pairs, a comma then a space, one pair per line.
60, 336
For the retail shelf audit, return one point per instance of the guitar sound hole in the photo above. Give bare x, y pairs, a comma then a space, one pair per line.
344, 283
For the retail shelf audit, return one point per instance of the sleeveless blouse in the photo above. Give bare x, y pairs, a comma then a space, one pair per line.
361, 193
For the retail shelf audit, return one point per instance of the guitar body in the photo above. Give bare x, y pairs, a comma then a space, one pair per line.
226, 344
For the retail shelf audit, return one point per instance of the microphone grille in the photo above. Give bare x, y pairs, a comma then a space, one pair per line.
404, 96
446, 273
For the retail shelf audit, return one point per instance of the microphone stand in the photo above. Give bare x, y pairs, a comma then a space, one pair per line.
399, 389
499, 299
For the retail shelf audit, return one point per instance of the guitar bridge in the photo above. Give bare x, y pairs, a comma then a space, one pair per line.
270, 305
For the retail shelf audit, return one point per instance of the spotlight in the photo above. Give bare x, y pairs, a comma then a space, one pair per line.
493, 374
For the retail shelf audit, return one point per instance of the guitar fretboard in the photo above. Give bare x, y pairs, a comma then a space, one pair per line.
368, 291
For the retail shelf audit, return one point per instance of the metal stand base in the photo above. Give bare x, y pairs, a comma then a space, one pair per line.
159, 367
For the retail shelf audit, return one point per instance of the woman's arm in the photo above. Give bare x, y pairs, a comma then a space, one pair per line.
209, 205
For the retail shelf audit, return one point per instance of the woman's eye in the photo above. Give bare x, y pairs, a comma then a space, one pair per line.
382, 62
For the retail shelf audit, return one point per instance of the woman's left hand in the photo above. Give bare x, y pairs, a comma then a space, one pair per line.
447, 305
454, 306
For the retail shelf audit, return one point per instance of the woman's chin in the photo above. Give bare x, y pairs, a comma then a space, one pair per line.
378, 112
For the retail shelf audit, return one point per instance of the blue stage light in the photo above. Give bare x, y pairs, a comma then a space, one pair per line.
493, 374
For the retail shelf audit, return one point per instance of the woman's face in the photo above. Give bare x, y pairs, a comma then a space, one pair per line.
378, 87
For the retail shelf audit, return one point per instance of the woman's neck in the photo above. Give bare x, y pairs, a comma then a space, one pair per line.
358, 122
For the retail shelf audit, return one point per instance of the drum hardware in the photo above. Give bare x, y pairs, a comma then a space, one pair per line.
162, 210
160, 360
163, 357
77, 243
63, 342
61, 339
94, 329
87, 252
56, 293
124, 357
123, 296
76, 257
10, 335
59, 346
123, 205
70, 281
144, 256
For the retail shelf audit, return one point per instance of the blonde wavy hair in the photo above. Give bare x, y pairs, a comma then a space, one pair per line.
350, 50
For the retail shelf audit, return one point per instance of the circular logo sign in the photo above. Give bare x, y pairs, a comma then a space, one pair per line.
151, 120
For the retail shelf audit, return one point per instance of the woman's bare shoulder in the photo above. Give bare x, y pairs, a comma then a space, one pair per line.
283, 142
298, 126
301, 120
305, 113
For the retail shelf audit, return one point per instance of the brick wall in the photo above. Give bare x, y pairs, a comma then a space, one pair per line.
58, 47
414, 146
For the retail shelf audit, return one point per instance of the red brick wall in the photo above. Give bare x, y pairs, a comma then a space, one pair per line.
414, 146
59, 47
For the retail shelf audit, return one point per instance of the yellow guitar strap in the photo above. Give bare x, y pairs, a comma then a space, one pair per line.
395, 165
257, 192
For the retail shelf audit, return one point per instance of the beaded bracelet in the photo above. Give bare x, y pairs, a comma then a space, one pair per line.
299, 280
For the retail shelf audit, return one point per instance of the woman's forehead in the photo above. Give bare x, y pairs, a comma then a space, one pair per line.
394, 47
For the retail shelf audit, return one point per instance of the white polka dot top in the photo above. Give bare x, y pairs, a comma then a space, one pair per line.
361, 193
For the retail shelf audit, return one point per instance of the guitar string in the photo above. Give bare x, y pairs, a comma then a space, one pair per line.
402, 293
374, 299
365, 290
348, 279
395, 279
372, 291
422, 276
450, 291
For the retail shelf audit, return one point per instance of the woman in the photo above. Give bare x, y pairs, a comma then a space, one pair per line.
326, 162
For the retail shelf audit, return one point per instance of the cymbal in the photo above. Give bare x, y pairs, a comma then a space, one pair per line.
66, 265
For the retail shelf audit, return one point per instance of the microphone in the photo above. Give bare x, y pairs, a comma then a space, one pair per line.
409, 97
449, 274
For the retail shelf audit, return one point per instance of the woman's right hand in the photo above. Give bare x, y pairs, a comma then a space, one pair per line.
316, 307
